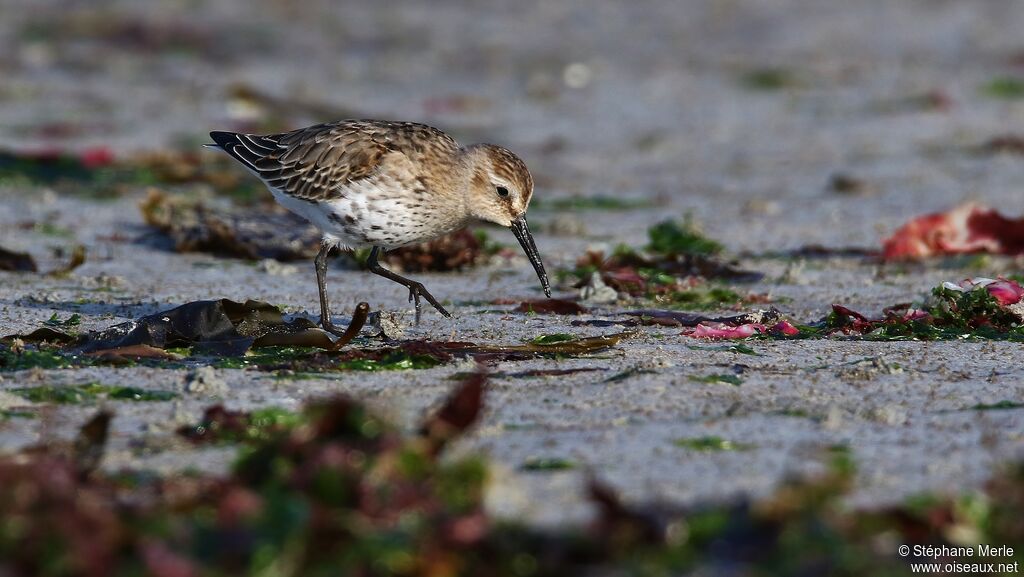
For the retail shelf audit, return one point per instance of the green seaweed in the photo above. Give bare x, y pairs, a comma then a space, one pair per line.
133, 394
89, 392
969, 310
290, 375
796, 413
768, 79
629, 373
106, 177
15, 414
488, 245
30, 359
307, 361
398, 361
51, 229
701, 298
262, 421
72, 321
713, 379
42, 169
520, 426
672, 238
711, 443
740, 348
264, 356
539, 464
673, 269
598, 202
1000, 406
552, 339
666, 289
234, 363
1004, 88
69, 173
556, 345
62, 395
528, 374
223, 427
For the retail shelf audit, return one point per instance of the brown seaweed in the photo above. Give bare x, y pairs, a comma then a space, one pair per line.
194, 226
425, 354
683, 319
23, 262
551, 307
459, 250
263, 232
221, 327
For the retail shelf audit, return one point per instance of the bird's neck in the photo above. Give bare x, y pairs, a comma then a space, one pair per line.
472, 174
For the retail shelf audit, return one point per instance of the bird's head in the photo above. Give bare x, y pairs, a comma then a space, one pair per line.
500, 189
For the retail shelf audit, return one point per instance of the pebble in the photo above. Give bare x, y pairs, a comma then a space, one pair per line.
833, 419
888, 415
205, 381
386, 324
596, 292
276, 268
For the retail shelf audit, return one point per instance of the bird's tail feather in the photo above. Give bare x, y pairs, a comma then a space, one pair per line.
249, 149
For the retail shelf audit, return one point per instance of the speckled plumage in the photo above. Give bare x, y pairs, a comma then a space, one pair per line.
383, 184
370, 182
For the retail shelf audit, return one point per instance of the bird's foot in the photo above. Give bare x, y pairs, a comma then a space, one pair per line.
416, 290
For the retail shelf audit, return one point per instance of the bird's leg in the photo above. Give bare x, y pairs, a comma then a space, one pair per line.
321, 285
415, 289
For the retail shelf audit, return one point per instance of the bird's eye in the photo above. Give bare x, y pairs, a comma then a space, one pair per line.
502, 191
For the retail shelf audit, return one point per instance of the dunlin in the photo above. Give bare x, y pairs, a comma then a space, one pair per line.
383, 185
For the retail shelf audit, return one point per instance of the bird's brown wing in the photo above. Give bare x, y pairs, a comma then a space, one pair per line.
316, 163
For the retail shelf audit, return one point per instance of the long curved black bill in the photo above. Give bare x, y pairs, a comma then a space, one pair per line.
522, 232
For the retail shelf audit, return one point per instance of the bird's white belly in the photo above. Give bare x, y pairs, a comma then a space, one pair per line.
370, 214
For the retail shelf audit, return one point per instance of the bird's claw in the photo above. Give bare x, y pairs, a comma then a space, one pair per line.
415, 291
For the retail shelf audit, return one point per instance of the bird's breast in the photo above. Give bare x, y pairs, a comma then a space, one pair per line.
389, 213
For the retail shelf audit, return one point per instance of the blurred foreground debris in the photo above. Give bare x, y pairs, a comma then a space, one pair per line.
334, 489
